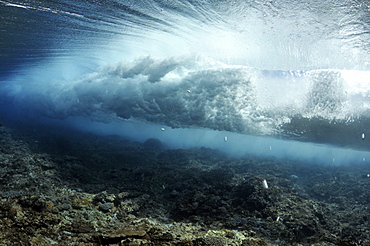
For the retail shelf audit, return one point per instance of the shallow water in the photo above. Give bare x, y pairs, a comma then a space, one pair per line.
210, 100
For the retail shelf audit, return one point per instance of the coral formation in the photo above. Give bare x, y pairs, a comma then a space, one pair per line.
111, 191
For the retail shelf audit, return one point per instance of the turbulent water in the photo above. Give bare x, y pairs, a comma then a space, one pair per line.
279, 69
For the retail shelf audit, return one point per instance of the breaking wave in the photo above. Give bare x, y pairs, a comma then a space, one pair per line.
297, 71
199, 92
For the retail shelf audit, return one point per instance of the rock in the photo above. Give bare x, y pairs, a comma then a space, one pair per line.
64, 206
120, 234
153, 144
105, 207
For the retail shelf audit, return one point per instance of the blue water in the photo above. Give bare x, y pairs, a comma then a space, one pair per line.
288, 80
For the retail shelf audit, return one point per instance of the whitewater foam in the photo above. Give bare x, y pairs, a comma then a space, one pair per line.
196, 91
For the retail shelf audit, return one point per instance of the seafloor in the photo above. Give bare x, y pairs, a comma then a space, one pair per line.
73, 188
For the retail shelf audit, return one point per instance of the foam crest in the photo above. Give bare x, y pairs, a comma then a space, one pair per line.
177, 92
196, 91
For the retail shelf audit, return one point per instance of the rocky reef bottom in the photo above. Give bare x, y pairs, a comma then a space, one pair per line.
74, 188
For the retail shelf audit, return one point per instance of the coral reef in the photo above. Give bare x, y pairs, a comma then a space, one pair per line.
84, 189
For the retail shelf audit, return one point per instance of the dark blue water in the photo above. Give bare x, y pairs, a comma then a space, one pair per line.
273, 71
